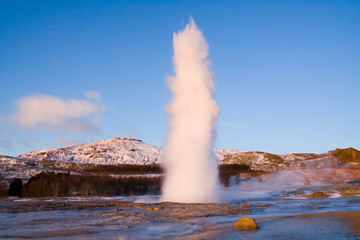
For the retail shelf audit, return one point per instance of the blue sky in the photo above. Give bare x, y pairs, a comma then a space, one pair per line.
287, 72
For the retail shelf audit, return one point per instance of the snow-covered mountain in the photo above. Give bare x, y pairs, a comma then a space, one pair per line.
80, 158
134, 151
109, 152
106, 152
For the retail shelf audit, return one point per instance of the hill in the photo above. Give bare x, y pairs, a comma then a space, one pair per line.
119, 156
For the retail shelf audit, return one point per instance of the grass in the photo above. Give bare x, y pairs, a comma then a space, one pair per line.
249, 157
305, 155
347, 155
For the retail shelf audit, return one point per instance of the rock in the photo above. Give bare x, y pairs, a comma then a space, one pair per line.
319, 194
245, 175
246, 223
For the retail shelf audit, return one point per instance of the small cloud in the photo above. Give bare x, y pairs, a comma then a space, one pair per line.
67, 142
54, 114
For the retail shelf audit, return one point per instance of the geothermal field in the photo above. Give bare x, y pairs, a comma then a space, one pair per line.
296, 196
123, 188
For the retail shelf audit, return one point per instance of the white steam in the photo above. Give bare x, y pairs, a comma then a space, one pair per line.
191, 165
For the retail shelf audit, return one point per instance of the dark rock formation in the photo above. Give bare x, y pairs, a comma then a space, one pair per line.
15, 187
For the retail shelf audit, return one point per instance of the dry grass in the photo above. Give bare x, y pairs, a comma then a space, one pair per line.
347, 155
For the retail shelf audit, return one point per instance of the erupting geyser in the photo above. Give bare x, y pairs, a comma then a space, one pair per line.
190, 163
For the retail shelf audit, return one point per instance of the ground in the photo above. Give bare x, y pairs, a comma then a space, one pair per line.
143, 217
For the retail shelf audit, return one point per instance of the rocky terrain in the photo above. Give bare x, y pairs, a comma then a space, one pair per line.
101, 190
84, 158
147, 218
134, 151
113, 151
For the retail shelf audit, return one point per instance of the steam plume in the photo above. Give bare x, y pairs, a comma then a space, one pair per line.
191, 165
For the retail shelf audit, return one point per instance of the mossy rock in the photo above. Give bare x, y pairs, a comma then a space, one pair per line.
272, 157
301, 156
317, 195
246, 223
240, 158
347, 155
250, 157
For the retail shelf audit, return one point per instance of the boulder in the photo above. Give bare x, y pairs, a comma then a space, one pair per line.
246, 223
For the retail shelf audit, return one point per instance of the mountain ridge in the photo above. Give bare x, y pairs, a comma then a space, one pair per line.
117, 152
134, 151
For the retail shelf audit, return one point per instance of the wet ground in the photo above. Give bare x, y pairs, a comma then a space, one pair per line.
283, 209
126, 218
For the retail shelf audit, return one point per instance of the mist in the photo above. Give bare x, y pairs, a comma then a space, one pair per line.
189, 160
298, 181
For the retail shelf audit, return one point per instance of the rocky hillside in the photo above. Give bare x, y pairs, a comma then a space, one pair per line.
270, 162
347, 155
82, 158
113, 151
134, 151
109, 152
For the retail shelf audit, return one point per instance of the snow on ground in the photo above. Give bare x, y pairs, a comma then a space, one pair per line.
222, 153
107, 152
11, 168
133, 151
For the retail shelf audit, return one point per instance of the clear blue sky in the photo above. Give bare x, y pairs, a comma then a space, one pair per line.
287, 72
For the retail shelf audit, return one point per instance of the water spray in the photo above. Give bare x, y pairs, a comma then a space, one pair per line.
189, 160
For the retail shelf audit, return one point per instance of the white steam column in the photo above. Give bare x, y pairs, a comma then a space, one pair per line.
189, 160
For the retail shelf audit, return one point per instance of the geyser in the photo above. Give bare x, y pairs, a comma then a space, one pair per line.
189, 160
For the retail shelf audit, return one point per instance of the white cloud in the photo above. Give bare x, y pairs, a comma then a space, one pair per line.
54, 114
